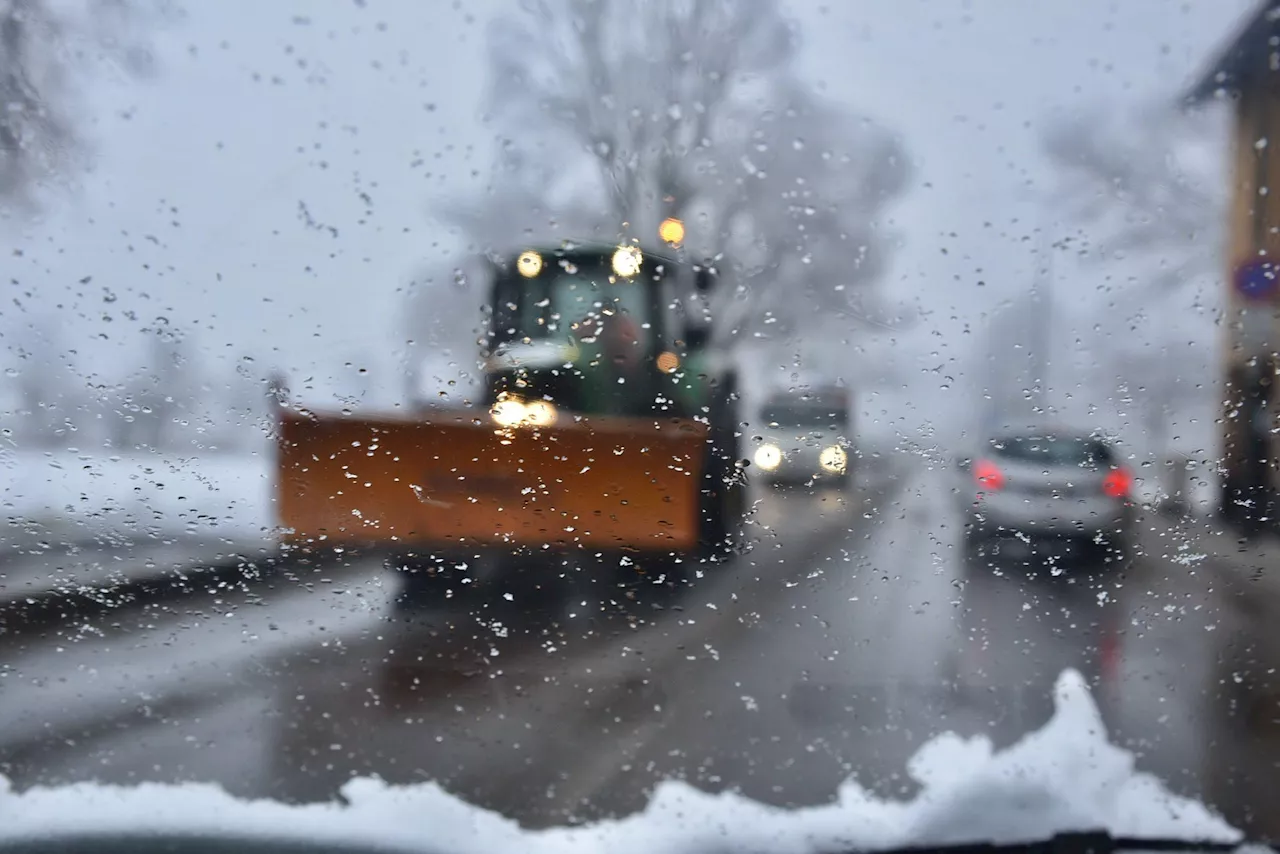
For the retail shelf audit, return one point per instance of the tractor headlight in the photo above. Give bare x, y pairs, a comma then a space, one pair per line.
540, 413
514, 412
833, 459
508, 413
768, 457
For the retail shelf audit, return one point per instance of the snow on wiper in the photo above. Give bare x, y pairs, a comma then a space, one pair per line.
973, 798
1088, 842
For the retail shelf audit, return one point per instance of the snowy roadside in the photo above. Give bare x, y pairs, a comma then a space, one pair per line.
100, 524
66, 498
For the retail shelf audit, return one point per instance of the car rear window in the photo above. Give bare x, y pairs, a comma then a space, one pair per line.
1053, 450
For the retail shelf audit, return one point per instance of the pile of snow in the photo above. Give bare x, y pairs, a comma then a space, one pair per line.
73, 495
1066, 776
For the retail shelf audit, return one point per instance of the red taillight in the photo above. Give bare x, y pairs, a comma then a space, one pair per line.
988, 475
1117, 483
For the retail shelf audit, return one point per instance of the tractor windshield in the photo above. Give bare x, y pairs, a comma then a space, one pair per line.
555, 311
579, 301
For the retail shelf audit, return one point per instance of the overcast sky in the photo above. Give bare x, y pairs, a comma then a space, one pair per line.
360, 112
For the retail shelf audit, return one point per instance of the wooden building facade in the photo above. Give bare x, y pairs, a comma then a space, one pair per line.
1246, 74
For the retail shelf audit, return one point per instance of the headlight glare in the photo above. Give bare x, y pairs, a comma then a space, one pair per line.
540, 413
515, 412
627, 261
833, 459
768, 457
508, 413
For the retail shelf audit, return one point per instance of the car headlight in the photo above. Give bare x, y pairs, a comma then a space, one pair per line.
509, 412
833, 459
540, 413
768, 457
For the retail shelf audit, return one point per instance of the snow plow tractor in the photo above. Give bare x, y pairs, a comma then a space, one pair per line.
608, 430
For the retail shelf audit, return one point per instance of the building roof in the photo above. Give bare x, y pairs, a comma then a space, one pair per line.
1255, 47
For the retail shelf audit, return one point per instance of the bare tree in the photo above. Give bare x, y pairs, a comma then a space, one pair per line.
42, 44
618, 114
1143, 186
1139, 182
795, 192
637, 87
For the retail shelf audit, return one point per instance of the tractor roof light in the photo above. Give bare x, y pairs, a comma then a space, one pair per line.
529, 264
627, 261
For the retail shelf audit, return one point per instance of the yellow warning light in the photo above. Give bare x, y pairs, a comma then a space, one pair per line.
668, 362
671, 230
529, 264
627, 261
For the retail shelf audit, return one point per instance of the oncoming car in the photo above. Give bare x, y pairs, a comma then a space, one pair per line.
1051, 484
804, 437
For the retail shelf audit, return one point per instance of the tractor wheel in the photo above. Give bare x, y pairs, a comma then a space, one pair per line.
724, 494
425, 582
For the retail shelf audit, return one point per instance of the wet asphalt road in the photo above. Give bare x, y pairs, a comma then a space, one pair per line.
854, 631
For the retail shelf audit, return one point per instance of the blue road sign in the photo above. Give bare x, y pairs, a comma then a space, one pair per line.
1258, 279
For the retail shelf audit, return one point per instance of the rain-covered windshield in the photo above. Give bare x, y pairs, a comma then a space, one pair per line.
479, 417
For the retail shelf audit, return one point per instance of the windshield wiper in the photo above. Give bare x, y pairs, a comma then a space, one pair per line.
1088, 842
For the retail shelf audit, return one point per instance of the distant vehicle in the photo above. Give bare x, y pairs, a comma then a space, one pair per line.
1048, 483
804, 437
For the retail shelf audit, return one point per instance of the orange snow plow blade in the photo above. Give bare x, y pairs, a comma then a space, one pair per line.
451, 480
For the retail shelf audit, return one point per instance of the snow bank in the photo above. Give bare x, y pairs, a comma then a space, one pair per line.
76, 495
1066, 776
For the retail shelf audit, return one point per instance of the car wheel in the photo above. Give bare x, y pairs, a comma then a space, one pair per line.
723, 497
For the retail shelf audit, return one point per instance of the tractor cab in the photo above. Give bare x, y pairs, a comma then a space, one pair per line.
590, 330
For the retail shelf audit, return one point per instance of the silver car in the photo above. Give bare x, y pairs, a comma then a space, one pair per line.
1048, 484
805, 439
